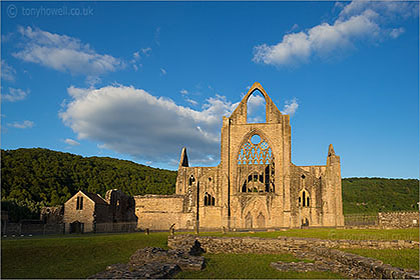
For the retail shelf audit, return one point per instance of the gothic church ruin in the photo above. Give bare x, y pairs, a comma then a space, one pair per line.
255, 185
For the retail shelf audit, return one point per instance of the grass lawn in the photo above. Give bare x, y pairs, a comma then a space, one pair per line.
331, 233
250, 266
79, 256
404, 258
71, 256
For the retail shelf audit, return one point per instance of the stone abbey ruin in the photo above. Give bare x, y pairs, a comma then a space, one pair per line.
256, 185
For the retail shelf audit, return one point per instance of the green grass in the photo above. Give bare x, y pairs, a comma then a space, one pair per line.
250, 266
330, 233
79, 256
71, 256
404, 258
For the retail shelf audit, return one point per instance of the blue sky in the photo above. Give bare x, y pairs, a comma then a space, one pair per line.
140, 80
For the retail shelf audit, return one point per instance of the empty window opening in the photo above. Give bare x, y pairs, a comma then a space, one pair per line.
209, 200
256, 107
304, 199
79, 203
303, 176
191, 180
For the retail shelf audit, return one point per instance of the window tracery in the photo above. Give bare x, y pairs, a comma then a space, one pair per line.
256, 166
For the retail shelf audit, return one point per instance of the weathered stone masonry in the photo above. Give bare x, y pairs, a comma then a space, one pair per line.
256, 185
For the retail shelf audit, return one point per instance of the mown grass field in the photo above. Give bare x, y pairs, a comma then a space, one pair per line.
331, 233
251, 266
79, 256
71, 256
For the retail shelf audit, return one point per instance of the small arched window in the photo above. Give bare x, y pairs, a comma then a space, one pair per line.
304, 199
191, 180
209, 200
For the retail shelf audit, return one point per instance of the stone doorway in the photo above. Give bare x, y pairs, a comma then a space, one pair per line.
261, 220
77, 227
248, 220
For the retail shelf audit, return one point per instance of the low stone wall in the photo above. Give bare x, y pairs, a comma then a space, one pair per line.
398, 219
372, 268
281, 244
320, 250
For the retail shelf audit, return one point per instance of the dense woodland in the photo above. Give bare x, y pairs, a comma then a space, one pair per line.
32, 178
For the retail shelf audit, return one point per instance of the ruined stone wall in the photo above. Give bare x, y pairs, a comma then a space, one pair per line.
159, 212
398, 219
283, 244
351, 265
52, 215
271, 205
121, 206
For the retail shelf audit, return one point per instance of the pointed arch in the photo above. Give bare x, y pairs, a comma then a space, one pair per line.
256, 111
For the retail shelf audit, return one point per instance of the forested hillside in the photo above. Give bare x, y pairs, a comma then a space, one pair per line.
372, 195
32, 178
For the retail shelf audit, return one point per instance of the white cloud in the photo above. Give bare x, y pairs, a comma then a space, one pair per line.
24, 124
162, 71
357, 21
71, 142
396, 32
15, 94
136, 55
64, 53
183, 91
256, 108
8, 73
146, 51
290, 107
132, 121
192, 102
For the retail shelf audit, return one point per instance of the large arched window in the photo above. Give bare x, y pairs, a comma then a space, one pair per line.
256, 166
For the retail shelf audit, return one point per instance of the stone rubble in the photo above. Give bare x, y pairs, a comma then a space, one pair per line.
155, 263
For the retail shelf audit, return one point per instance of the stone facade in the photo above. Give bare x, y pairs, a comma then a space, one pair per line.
85, 211
256, 185
398, 219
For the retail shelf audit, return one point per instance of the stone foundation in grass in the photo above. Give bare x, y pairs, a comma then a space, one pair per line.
153, 263
322, 251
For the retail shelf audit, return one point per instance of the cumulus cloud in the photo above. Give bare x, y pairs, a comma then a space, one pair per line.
356, 21
63, 53
15, 94
132, 121
162, 71
22, 125
8, 73
183, 91
290, 107
71, 142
